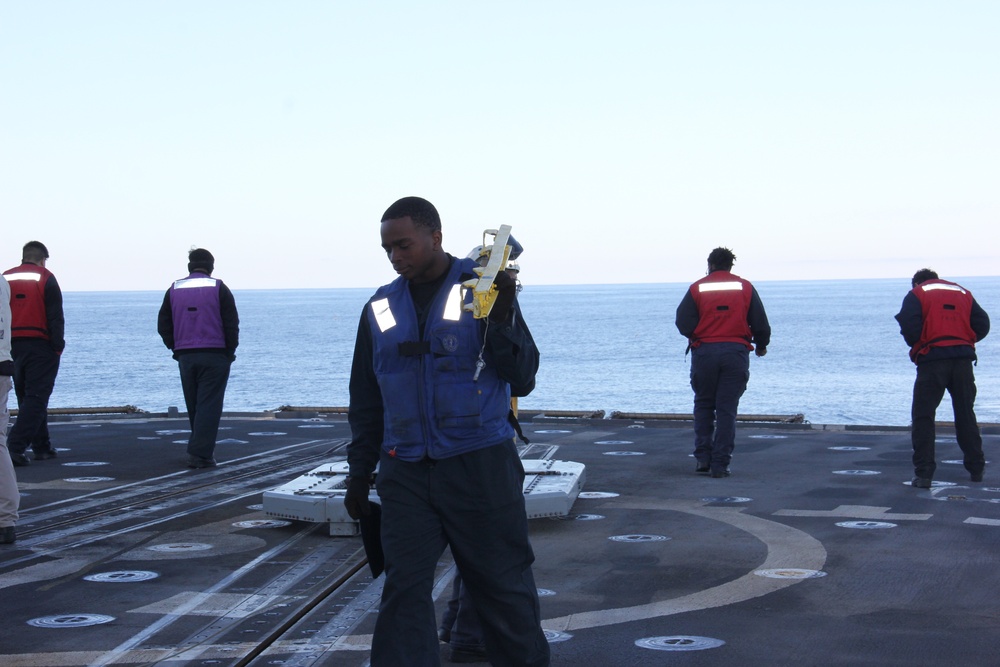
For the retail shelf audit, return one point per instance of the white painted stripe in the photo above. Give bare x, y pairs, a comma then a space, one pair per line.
982, 522
720, 287
857, 512
383, 315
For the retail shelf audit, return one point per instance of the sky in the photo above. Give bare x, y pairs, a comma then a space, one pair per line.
622, 141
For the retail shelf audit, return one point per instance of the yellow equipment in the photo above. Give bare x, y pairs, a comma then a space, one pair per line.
484, 292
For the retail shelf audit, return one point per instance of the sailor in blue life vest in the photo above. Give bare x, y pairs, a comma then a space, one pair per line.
429, 403
199, 322
37, 342
723, 318
942, 322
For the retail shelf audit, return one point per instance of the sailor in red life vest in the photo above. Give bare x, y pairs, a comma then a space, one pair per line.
199, 322
37, 328
722, 317
942, 322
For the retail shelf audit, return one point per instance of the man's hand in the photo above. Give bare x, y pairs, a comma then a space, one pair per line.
356, 500
506, 291
760, 351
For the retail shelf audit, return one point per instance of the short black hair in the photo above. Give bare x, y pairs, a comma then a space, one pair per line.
417, 209
923, 275
721, 258
199, 258
34, 251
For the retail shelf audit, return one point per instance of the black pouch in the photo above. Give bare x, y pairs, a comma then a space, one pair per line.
7, 367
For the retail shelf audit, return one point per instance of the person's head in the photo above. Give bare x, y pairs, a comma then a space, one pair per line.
201, 260
923, 275
721, 259
411, 238
34, 252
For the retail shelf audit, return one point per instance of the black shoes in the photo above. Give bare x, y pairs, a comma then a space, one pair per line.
8, 535
468, 654
721, 472
976, 476
921, 483
702, 467
19, 459
45, 454
194, 462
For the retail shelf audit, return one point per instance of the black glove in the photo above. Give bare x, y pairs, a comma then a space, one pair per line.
506, 291
356, 500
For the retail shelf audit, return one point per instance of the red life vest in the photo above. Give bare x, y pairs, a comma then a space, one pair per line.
947, 309
27, 301
723, 301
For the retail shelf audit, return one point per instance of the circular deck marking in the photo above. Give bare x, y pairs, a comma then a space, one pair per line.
257, 507
638, 538
86, 480
232, 441
597, 494
86, 464
579, 517
70, 620
849, 448
613, 442
179, 547
553, 636
262, 523
856, 472
624, 453
148, 437
316, 425
545, 593
679, 643
992, 489
726, 499
179, 442
790, 573
768, 436
122, 576
934, 485
90, 425
175, 431
551, 431
267, 433
866, 525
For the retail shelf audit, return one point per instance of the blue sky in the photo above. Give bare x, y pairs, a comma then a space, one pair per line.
622, 141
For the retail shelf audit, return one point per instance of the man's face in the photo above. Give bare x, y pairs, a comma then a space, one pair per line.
414, 250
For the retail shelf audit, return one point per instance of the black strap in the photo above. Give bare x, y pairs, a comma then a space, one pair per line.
414, 348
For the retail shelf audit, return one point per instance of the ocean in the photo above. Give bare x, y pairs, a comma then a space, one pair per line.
836, 355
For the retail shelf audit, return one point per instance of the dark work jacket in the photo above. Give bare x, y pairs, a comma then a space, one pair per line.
407, 399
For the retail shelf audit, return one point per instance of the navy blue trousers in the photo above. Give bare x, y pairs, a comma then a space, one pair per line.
204, 376
36, 365
719, 376
934, 378
473, 503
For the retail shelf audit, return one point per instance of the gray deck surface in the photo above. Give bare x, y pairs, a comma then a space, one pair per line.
815, 552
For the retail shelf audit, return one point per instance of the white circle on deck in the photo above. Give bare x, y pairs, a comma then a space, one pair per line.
635, 426
790, 573
551, 431
264, 433
545, 593
553, 636
90, 425
578, 517
179, 547
180, 442
866, 525
148, 437
624, 453
679, 643
122, 576
262, 523
638, 538
70, 620
992, 489
613, 442
934, 485
726, 499
257, 507
856, 472
768, 436
86, 480
597, 494
849, 448
232, 441
176, 431
316, 425
85, 464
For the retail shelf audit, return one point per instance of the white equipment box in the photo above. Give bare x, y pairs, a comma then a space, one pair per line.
550, 489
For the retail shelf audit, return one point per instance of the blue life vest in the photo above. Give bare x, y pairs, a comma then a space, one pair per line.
432, 405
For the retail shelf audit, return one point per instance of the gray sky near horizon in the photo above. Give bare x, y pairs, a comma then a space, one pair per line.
622, 141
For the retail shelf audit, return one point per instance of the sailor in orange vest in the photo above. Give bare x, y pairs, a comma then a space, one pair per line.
37, 328
942, 322
722, 317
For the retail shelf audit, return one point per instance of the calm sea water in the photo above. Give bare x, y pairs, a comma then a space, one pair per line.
836, 355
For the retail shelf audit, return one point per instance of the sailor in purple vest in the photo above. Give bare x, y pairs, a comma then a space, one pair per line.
199, 323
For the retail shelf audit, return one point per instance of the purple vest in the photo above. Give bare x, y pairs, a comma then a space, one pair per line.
194, 302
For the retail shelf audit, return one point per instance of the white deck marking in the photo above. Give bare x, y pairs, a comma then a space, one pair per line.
857, 512
982, 522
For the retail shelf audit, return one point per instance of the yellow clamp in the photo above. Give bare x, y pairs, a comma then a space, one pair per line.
484, 292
